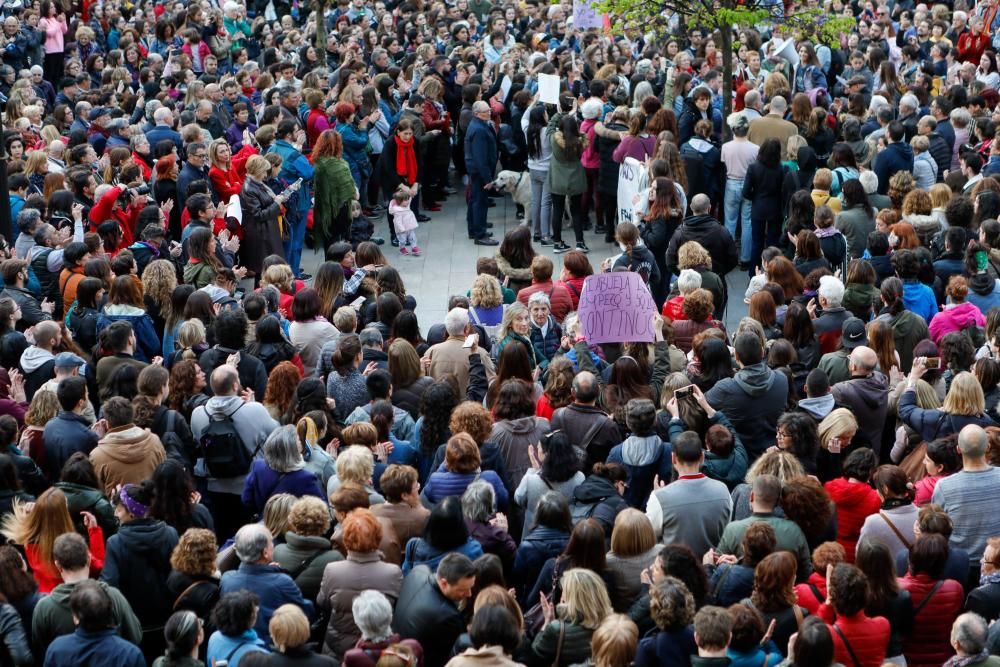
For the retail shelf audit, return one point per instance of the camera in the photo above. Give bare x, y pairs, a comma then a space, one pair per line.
127, 193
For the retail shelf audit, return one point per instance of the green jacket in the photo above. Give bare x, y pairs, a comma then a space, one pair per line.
566, 176
788, 534
52, 617
199, 274
86, 499
860, 298
575, 644
305, 558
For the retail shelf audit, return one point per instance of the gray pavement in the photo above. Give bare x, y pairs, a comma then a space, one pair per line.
448, 263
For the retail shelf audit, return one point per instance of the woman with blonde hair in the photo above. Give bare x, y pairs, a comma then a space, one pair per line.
516, 327
918, 211
262, 216
36, 529
633, 549
782, 464
227, 171
191, 341
486, 300
940, 196
36, 167
836, 432
159, 279
693, 255
614, 642
565, 638
290, 631
964, 404
43, 408
356, 464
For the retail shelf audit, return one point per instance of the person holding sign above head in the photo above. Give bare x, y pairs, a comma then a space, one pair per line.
635, 256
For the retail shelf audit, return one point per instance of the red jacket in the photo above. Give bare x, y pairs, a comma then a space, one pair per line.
127, 218
229, 183
971, 47
559, 297
434, 119
45, 573
575, 287
673, 309
806, 593
929, 644
854, 503
867, 636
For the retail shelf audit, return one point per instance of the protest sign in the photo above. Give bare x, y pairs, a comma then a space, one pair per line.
628, 188
548, 88
585, 17
617, 308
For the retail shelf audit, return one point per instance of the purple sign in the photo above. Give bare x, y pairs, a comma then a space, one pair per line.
617, 308
585, 17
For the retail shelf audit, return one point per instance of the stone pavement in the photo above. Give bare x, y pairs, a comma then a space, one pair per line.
448, 263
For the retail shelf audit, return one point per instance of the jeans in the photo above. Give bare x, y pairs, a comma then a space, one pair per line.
475, 216
407, 238
541, 203
738, 208
558, 208
414, 206
296, 239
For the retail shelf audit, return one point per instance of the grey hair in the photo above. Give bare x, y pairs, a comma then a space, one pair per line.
831, 289
456, 321
251, 541
689, 280
909, 101
281, 450
479, 501
869, 181
370, 337
272, 296
700, 204
28, 218
969, 632
960, 117
643, 89
373, 615
539, 297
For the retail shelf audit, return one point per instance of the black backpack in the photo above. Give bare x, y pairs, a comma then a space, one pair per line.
222, 447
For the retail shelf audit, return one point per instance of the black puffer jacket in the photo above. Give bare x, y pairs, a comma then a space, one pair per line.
712, 235
607, 177
408, 398
601, 494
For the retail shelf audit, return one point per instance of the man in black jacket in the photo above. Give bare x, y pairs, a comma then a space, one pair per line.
428, 606
587, 426
710, 233
230, 329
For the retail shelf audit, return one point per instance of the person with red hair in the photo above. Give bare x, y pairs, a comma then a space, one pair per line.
165, 194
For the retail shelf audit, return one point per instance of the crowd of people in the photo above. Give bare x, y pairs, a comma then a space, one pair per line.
209, 456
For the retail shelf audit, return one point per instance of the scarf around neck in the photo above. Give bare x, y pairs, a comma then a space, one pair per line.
406, 160
964, 660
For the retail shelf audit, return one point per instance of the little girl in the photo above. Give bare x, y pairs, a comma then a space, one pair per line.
404, 220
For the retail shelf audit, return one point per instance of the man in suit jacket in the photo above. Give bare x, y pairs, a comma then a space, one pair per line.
481, 161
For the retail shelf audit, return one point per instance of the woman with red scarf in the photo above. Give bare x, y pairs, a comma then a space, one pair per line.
399, 164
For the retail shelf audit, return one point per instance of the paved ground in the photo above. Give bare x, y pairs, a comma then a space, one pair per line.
448, 264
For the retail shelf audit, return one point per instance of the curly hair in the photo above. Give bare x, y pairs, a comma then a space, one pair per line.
698, 305
281, 384
15, 583
44, 408
748, 627
183, 377
807, 503
472, 418
773, 582
195, 553
559, 384
310, 516
159, 279
671, 604
486, 292
759, 542
678, 560
693, 254
900, 184
828, 553
436, 406
783, 465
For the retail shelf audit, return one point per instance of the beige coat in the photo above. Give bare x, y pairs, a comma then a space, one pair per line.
406, 521
126, 455
487, 656
771, 127
449, 356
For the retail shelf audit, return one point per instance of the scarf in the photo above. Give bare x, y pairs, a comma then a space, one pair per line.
406, 160
964, 660
987, 579
825, 232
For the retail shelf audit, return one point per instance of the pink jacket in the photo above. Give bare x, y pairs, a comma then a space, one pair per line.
955, 318
403, 218
590, 159
54, 31
203, 52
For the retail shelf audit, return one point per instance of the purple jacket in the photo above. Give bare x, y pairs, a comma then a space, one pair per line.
263, 482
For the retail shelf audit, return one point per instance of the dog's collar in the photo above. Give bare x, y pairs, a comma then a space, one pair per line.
519, 178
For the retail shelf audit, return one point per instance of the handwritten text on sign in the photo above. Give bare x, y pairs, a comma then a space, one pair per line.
617, 308
628, 188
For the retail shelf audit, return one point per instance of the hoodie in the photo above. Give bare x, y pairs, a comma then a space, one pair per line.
137, 563
907, 330
148, 344
754, 399
644, 457
854, 502
866, 397
52, 617
897, 156
955, 318
984, 292
33, 358
920, 299
598, 491
712, 235
126, 455
817, 407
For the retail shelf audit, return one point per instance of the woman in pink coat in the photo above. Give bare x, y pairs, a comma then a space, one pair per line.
957, 314
53, 24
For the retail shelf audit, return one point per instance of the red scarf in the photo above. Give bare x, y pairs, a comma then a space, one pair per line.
406, 160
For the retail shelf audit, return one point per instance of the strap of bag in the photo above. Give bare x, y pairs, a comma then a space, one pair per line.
559, 645
171, 421
767, 658
186, 591
891, 525
722, 580
816, 593
233, 652
847, 645
923, 603
475, 316
591, 433
304, 565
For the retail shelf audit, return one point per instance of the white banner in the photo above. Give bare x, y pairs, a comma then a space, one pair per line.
628, 189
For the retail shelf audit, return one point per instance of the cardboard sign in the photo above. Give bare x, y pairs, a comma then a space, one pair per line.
585, 17
617, 308
548, 88
628, 188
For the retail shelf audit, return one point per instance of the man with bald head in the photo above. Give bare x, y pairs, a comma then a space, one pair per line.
865, 394
232, 404
969, 497
586, 425
773, 125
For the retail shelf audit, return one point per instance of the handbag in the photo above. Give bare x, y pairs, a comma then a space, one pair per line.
913, 463
534, 618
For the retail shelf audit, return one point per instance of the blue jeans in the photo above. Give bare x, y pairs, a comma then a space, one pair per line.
738, 208
541, 203
296, 239
475, 216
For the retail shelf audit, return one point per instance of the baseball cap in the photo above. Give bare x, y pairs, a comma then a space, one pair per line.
68, 360
97, 112
853, 333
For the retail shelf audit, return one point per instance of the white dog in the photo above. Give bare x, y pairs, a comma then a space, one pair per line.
518, 184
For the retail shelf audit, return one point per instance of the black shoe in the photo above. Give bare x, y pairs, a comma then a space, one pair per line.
489, 225
305, 276
395, 243
560, 247
536, 238
377, 240
582, 247
422, 218
600, 229
586, 226
546, 241
491, 204
486, 240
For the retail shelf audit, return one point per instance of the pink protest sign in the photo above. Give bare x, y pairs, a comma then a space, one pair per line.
617, 308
